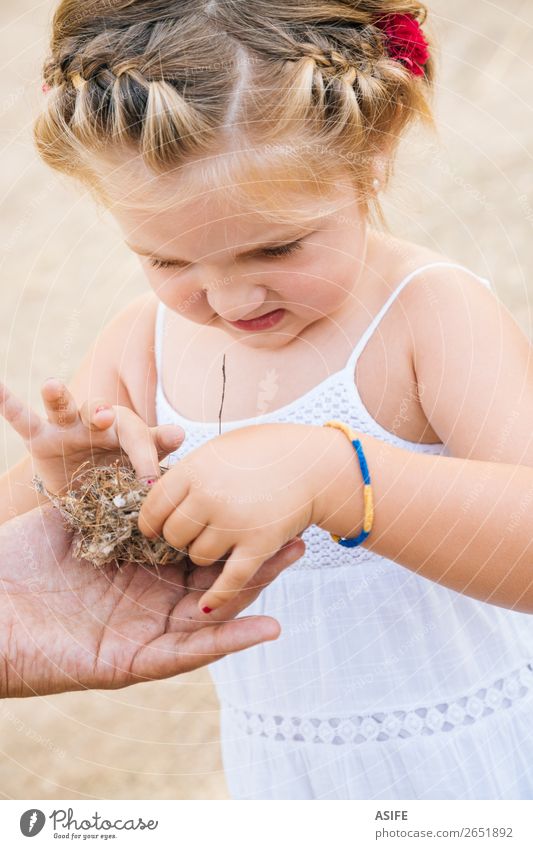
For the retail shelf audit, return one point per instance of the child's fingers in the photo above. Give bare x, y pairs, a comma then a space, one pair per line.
185, 524
209, 547
97, 415
240, 567
60, 406
162, 501
21, 417
201, 579
167, 438
144, 445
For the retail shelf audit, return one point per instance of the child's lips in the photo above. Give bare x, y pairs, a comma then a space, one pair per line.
263, 322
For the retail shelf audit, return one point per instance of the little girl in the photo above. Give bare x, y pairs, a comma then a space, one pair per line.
241, 148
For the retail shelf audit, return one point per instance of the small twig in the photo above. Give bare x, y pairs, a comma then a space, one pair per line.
223, 394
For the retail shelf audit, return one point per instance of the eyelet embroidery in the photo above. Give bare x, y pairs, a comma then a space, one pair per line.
433, 719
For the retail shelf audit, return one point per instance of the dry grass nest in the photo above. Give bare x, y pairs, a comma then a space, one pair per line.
102, 505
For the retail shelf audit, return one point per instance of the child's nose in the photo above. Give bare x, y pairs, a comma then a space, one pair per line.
235, 300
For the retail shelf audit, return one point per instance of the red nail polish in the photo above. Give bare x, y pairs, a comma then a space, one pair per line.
207, 609
150, 482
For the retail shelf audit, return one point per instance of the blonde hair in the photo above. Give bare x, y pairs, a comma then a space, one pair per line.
289, 90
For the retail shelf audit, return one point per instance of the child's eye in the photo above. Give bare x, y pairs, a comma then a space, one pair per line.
283, 250
161, 263
279, 250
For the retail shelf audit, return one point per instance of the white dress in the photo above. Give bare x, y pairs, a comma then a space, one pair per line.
383, 684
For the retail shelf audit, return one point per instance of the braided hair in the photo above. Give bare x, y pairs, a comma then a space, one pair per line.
174, 80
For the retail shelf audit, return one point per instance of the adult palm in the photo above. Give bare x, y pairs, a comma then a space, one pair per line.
65, 625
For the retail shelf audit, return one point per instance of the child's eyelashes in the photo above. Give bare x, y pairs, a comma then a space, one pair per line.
277, 251
161, 263
283, 250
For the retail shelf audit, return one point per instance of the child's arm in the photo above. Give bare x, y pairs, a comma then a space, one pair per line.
17, 494
74, 431
465, 523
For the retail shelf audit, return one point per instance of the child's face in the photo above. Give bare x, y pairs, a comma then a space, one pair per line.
226, 265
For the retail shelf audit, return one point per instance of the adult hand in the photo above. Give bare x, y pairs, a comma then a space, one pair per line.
65, 625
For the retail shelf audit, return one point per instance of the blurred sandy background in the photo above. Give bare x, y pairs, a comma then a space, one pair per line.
65, 273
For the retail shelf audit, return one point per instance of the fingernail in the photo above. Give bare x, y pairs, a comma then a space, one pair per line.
175, 438
150, 482
207, 609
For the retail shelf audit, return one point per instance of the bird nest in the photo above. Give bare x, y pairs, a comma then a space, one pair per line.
102, 505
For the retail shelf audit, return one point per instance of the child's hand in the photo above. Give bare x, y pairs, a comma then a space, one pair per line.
97, 432
250, 491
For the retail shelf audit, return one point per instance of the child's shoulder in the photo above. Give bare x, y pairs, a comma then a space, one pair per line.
436, 286
121, 362
402, 258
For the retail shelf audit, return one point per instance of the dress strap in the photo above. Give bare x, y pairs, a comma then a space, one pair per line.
354, 356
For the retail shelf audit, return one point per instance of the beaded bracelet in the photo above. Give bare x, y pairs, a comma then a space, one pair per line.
367, 488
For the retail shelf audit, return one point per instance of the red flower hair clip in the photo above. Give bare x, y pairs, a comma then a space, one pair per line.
405, 41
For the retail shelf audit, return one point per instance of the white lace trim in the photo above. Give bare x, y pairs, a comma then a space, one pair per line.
432, 719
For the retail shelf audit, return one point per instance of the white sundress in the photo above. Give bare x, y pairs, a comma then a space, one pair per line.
383, 684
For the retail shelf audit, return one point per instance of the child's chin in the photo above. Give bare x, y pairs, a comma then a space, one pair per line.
272, 339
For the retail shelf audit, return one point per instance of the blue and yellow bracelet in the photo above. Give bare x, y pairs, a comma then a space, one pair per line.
367, 488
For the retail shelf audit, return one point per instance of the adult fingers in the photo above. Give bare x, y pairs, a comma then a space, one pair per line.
174, 653
21, 417
60, 405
